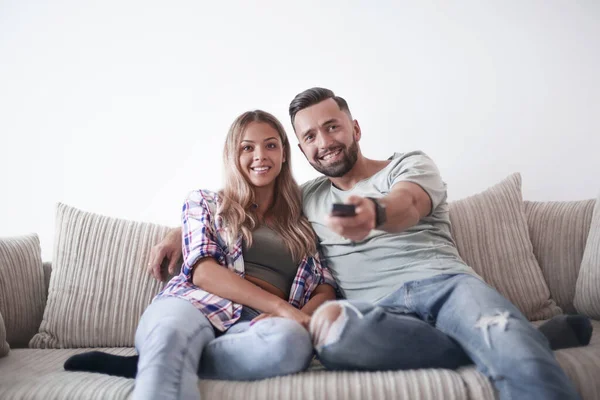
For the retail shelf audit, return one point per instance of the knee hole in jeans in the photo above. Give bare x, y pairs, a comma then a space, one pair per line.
328, 322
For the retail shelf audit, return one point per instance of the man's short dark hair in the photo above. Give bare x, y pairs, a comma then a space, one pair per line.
313, 96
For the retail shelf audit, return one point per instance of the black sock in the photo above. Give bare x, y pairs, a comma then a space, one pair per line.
564, 331
104, 363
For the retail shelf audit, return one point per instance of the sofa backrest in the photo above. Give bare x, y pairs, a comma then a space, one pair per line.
558, 233
491, 234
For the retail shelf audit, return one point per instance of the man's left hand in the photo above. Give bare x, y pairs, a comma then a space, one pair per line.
355, 228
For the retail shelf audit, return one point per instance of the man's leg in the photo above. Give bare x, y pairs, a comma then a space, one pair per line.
364, 336
169, 339
498, 338
270, 347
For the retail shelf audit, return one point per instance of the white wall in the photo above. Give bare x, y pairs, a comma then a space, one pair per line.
121, 107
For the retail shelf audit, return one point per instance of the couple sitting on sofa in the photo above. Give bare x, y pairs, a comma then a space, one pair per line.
253, 299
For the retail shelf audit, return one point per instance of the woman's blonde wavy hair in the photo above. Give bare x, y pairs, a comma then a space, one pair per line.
237, 197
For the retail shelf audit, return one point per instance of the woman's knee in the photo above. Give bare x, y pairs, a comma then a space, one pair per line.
288, 344
160, 329
284, 334
162, 334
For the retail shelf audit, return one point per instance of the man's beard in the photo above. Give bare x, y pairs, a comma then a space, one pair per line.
341, 167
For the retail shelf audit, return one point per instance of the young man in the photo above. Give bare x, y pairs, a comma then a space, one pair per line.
410, 294
411, 302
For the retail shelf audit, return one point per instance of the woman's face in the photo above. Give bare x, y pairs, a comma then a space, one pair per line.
261, 154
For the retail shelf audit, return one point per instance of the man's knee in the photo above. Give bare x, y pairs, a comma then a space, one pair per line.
329, 321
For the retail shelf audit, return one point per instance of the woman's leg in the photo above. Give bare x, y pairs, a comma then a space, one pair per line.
169, 339
270, 347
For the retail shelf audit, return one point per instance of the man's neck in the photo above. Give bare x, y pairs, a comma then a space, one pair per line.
363, 169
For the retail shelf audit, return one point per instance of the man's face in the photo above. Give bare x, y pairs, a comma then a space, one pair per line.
328, 138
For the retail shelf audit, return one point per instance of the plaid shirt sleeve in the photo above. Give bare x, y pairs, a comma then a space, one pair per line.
311, 273
327, 276
198, 236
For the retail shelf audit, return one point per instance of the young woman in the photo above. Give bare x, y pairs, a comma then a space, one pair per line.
250, 279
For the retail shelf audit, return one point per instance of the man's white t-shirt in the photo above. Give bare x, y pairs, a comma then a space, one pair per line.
381, 263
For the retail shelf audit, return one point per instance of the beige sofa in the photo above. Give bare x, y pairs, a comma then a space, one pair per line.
544, 256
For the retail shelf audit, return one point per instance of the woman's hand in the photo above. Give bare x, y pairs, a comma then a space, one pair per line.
286, 311
324, 292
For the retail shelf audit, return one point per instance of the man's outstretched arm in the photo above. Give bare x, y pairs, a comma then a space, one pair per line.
169, 248
404, 206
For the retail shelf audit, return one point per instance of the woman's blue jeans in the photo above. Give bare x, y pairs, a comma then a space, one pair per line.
176, 344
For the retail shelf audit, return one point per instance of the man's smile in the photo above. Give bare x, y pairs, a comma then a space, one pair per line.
331, 156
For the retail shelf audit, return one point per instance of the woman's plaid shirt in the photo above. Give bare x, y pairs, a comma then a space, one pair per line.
201, 238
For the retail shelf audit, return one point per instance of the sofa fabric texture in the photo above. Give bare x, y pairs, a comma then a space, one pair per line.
38, 374
491, 233
587, 292
558, 232
22, 289
34, 374
99, 286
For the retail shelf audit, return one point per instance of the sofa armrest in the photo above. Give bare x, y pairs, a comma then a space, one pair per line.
22, 290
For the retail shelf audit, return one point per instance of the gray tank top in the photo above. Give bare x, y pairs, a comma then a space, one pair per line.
270, 260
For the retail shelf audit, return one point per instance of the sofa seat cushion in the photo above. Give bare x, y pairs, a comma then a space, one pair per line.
28, 374
582, 365
39, 374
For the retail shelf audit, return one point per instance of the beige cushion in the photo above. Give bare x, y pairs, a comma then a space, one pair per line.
22, 290
99, 286
4, 347
558, 231
491, 234
587, 293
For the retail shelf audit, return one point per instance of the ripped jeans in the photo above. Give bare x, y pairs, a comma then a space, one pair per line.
445, 322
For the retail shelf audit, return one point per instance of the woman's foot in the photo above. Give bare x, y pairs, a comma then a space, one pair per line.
103, 363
